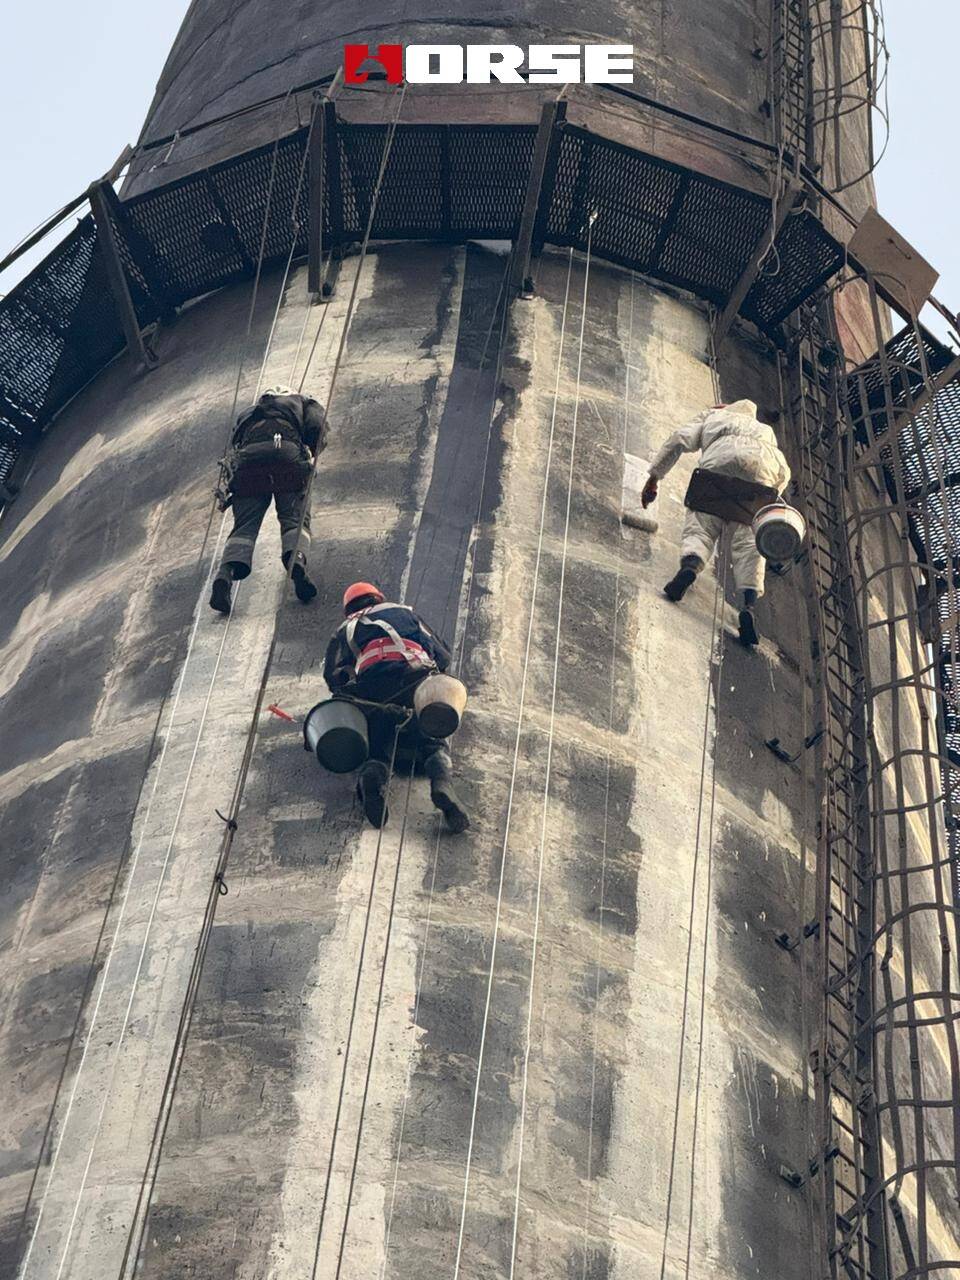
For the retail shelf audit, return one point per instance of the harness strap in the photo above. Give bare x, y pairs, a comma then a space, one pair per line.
393, 647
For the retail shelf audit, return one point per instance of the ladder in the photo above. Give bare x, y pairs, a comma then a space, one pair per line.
847, 1160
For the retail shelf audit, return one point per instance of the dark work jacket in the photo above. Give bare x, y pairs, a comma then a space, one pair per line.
339, 666
296, 417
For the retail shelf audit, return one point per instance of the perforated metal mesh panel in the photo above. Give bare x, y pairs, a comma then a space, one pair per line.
205, 230
805, 258
442, 182
658, 218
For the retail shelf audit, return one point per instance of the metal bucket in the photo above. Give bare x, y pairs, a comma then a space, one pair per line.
439, 702
336, 732
779, 530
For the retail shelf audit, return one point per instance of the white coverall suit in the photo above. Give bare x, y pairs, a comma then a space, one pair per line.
733, 443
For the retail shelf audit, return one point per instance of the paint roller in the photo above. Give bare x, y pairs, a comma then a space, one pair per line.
638, 519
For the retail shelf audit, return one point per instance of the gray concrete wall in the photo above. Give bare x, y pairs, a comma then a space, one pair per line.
554, 1010
583, 768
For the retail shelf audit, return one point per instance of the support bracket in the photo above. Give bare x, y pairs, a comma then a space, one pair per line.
316, 163
552, 116
811, 740
788, 943
778, 215
116, 276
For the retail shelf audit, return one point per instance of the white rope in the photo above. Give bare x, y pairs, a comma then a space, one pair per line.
123, 907
549, 763
143, 947
410, 1052
513, 778
606, 805
156, 782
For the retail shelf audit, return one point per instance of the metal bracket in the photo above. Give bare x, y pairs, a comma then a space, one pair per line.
779, 213
315, 225
116, 276
798, 1180
552, 116
332, 175
810, 741
787, 943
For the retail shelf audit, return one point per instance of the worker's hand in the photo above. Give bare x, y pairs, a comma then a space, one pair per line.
649, 492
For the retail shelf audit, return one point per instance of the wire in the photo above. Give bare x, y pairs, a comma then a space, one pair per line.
716, 645
373, 1040
538, 896
606, 804
231, 821
513, 776
161, 877
350, 1025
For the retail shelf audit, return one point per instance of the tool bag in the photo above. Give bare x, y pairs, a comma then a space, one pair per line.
270, 459
728, 497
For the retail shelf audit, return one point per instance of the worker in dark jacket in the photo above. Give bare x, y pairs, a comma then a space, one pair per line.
271, 455
380, 653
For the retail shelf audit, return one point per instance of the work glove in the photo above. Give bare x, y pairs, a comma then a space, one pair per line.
649, 492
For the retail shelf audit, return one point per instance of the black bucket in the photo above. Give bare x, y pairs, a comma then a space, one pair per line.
336, 732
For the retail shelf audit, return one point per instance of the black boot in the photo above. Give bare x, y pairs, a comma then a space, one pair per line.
684, 578
373, 792
438, 769
748, 625
220, 592
304, 588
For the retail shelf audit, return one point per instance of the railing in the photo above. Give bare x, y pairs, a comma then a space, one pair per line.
60, 326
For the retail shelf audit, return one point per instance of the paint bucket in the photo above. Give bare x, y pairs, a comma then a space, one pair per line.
439, 702
336, 732
779, 530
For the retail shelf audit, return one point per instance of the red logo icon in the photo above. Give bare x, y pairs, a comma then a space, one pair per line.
390, 57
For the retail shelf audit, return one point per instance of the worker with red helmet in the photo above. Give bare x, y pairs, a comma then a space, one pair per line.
380, 653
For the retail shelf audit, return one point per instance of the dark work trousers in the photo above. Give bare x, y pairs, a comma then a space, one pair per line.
248, 516
393, 682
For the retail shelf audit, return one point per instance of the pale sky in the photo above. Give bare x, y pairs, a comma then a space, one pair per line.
78, 78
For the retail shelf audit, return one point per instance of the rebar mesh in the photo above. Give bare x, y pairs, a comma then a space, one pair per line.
879, 483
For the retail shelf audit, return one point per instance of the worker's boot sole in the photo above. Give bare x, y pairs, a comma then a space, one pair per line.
454, 814
748, 629
220, 595
680, 584
302, 585
373, 794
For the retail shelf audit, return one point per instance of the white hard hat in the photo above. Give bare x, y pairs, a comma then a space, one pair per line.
278, 391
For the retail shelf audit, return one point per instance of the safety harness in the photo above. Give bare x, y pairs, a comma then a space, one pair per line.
270, 458
392, 647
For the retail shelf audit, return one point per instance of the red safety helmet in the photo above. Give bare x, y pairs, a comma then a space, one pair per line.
357, 591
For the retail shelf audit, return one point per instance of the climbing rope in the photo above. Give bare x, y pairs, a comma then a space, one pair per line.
353, 1010
716, 646
595, 1029
157, 775
373, 1044
133, 863
231, 824
428, 915
538, 896
513, 773
706, 921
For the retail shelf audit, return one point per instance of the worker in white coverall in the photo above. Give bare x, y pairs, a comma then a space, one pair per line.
733, 443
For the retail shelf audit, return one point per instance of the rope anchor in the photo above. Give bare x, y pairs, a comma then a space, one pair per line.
811, 740
229, 823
